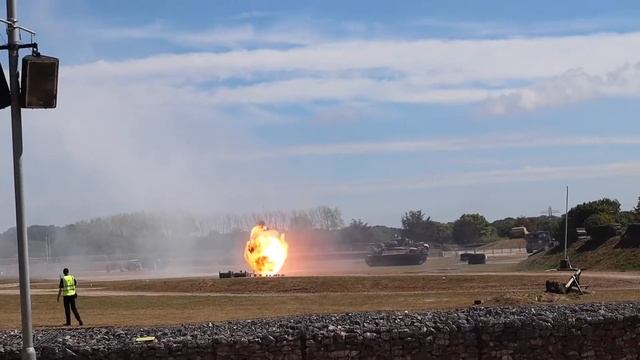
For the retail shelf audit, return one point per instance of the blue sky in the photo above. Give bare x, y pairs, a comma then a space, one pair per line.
377, 108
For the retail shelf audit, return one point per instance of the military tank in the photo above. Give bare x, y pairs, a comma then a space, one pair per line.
398, 252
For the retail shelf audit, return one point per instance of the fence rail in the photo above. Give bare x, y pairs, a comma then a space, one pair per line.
508, 251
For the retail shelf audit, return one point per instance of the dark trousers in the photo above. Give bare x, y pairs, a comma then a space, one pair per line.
70, 304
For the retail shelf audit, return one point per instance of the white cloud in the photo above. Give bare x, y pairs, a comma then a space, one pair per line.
236, 36
438, 61
476, 142
462, 179
573, 86
512, 29
347, 112
419, 71
252, 15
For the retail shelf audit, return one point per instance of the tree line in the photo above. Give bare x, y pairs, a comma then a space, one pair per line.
162, 233
474, 228
317, 229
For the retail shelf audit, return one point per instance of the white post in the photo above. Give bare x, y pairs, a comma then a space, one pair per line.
566, 223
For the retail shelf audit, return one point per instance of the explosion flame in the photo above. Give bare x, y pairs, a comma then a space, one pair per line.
266, 250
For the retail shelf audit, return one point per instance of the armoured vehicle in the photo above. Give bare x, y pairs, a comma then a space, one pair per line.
582, 234
233, 274
398, 252
518, 232
538, 240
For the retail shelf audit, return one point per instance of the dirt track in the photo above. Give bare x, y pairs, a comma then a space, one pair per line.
437, 275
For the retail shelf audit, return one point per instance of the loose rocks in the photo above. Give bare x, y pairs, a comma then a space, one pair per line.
590, 331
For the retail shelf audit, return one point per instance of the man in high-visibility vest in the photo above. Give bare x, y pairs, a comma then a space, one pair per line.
67, 288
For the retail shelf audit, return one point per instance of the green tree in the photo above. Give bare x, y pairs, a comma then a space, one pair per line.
598, 219
503, 227
471, 228
444, 233
416, 227
596, 212
357, 235
546, 223
626, 217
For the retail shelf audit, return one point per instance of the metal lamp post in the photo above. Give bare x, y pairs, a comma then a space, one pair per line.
566, 223
564, 263
13, 46
28, 352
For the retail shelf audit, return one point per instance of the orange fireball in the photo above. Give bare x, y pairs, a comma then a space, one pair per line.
266, 250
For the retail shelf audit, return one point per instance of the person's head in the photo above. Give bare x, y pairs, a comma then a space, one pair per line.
261, 223
65, 271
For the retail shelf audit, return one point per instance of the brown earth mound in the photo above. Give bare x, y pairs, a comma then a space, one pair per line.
621, 253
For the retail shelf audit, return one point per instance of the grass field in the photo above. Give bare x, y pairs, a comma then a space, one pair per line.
157, 310
176, 301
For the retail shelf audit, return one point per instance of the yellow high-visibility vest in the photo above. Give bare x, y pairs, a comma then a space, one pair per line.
69, 285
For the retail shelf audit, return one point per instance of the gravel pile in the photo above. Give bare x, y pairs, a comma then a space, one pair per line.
477, 332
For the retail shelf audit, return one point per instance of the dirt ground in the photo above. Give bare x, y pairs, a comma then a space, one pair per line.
340, 286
